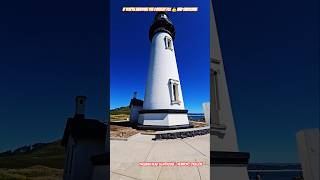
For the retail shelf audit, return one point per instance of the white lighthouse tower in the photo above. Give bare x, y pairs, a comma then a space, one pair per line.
225, 159
163, 106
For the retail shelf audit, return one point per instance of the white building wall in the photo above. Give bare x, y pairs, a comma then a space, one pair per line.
236, 172
100, 172
82, 168
308, 142
134, 113
162, 67
67, 174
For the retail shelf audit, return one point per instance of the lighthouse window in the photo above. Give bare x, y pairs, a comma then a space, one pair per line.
216, 90
163, 16
215, 98
174, 88
175, 93
168, 43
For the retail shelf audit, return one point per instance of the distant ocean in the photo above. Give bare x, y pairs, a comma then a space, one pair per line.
276, 175
196, 116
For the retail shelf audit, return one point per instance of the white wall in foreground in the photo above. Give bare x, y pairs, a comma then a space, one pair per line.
100, 172
228, 172
308, 148
206, 111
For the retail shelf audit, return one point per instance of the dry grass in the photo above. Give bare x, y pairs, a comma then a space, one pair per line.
117, 117
121, 131
31, 173
50, 155
197, 124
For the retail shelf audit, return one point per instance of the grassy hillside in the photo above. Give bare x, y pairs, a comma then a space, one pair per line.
121, 113
120, 110
50, 155
31, 173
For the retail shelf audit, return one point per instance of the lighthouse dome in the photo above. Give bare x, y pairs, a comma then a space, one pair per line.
162, 23
161, 15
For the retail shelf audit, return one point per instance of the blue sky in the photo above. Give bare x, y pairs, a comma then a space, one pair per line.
271, 57
130, 51
50, 52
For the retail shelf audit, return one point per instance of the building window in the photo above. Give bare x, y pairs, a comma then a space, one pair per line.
174, 91
168, 43
163, 16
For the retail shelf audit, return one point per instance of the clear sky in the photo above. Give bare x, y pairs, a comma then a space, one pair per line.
271, 56
51, 51
130, 51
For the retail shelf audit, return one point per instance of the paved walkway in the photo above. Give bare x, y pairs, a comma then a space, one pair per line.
125, 156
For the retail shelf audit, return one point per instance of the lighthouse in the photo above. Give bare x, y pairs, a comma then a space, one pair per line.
163, 106
226, 161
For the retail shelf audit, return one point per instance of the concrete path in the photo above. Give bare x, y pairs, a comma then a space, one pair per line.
125, 156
